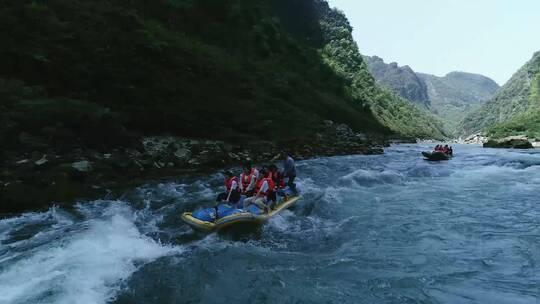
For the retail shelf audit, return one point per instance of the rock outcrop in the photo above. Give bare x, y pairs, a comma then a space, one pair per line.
474, 139
400, 80
516, 142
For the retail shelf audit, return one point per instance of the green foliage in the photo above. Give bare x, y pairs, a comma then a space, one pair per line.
526, 123
199, 68
513, 107
342, 54
523, 124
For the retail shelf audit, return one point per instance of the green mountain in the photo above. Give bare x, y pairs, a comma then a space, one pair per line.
515, 109
400, 80
456, 94
101, 73
450, 97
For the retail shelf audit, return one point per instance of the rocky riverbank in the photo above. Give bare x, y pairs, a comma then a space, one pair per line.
32, 180
516, 142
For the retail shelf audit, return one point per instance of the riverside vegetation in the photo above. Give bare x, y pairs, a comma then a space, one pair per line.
515, 109
86, 87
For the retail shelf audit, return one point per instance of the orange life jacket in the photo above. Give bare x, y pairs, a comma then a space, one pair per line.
229, 181
271, 186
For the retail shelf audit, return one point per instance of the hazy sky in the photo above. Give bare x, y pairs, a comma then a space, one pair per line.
490, 37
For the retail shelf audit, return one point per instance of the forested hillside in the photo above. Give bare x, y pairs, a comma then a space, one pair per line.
100, 73
515, 109
342, 54
401, 80
450, 97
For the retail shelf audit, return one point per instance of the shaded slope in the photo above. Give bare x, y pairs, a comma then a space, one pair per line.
108, 72
190, 68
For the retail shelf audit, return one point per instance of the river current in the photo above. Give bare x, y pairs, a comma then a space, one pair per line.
390, 228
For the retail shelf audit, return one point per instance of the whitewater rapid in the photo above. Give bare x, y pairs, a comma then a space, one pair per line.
388, 228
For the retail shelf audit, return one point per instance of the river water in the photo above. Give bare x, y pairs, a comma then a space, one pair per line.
390, 228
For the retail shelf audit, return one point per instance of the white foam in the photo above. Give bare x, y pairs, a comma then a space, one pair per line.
86, 267
363, 177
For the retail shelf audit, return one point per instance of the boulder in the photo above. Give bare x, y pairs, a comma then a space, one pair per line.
42, 161
82, 166
516, 142
475, 139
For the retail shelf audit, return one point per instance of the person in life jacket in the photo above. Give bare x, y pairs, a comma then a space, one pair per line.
232, 189
279, 181
248, 179
289, 170
264, 190
445, 149
277, 177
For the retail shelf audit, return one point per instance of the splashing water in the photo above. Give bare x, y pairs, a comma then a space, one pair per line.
370, 229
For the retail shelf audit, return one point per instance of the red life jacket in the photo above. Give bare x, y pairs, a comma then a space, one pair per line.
278, 179
247, 178
271, 186
229, 182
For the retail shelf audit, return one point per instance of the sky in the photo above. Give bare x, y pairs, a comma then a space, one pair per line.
490, 37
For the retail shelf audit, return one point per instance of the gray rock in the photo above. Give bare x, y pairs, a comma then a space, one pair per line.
82, 166
516, 142
42, 161
182, 154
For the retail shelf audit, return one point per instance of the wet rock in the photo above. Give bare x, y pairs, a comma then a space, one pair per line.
474, 139
516, 142
182, 154
82, 166
42, 161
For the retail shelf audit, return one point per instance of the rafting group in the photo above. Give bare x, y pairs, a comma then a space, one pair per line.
439, 153
253, 197
258, 186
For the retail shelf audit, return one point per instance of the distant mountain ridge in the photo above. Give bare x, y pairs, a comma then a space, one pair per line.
449, 97
400, 80
456, 94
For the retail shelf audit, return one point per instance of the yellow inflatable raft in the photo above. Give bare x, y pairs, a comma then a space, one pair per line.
241, 217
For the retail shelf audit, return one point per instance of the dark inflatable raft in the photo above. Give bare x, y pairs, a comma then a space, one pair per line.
436, 156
